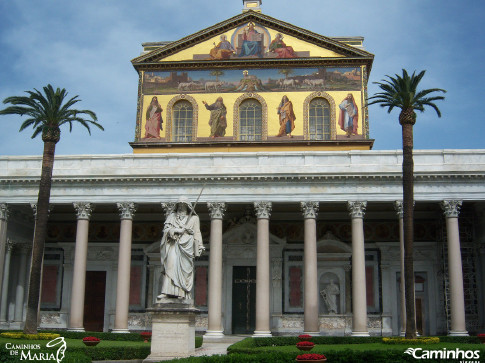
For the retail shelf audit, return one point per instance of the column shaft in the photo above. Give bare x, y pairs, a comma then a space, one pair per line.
401, 280
262, 280
455, 272
359, 295
20, 290
79, 276
3, 236
6, 276
123, 285
311, 320
215, 281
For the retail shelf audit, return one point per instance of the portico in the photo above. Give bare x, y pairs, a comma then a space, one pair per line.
234, 235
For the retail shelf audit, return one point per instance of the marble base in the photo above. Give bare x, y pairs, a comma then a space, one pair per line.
173, 329
214, 334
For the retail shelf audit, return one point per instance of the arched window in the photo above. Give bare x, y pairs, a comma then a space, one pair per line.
183, 116
319, 119
250, 120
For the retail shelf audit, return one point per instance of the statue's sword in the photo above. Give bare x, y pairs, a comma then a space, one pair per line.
193, 208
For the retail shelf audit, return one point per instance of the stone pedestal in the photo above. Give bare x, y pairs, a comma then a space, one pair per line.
173, 329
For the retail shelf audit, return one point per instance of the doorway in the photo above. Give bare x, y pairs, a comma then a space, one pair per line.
94, 299
243, 299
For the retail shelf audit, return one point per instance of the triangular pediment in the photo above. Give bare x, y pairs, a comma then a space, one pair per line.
250, 36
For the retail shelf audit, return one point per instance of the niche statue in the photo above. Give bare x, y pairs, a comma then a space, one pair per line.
181, 242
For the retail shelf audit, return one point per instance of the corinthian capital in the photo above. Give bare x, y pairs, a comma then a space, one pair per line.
83, 209
127, 210
3, 211
262, 209
309, 209
356, 209
451, 208
216, 209
398, 206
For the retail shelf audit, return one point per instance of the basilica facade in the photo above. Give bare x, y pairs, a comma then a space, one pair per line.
264, 127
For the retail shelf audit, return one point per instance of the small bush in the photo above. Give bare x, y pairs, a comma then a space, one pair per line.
417, 341
134, 337
39, 336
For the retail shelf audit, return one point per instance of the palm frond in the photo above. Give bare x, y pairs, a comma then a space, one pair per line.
401, 91
51, 107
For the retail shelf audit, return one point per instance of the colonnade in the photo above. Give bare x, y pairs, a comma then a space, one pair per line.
263, 279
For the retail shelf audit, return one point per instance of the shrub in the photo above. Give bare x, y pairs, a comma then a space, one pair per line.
418, 340
20, 335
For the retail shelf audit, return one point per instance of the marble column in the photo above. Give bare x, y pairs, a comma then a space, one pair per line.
451, 210
76, 317
21, 285
311, 320
398, 206
359, 295
127, 212
6, 277
215, 329
263, 213
3, 236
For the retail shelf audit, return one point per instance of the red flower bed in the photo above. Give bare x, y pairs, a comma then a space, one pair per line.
305, 344
304, 336
90, 339
310, 356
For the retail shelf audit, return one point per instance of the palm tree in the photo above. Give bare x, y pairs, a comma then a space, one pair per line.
217, 74
401, 92
46, 113
286, 72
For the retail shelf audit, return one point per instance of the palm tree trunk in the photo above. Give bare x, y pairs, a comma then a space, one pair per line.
408, 222
39, 238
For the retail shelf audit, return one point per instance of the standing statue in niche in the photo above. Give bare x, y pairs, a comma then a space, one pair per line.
329, 295
181, 242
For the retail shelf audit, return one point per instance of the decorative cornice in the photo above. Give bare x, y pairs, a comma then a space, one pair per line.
127, 210
309, 209
219, 177
83, 209
4, 212
263, 209
451, 208
357, 209
216, 209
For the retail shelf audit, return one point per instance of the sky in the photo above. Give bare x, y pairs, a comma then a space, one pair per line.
87, 46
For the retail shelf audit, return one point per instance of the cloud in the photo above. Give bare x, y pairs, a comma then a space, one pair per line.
86, 47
